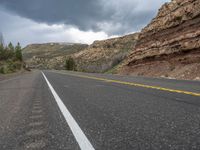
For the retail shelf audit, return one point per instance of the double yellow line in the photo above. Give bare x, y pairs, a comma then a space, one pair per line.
133, 84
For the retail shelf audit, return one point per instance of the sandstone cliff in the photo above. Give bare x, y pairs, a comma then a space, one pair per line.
50, 55
170, 45
104, 55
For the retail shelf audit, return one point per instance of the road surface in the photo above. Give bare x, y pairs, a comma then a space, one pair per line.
70, 111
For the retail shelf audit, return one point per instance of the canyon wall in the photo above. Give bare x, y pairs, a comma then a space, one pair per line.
170, 45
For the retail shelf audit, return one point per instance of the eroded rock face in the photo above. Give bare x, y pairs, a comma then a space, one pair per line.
104, 55
170, 45
174, 13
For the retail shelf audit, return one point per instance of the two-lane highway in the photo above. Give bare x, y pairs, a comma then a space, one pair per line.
70, 110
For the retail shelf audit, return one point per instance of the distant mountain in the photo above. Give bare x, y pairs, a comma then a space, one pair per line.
50, 55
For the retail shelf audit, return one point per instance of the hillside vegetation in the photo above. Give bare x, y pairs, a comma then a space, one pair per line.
50, 55
102, 56
10, 58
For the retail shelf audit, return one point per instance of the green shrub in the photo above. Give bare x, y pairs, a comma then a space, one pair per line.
10, 66
6, 54
70, 64
2, 70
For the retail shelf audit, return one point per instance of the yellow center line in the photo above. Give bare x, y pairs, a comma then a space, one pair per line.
134, 84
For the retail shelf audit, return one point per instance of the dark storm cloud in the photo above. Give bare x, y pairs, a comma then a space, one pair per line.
111, 16
81, 13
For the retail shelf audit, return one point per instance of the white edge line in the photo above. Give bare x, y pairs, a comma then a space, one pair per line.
80, 137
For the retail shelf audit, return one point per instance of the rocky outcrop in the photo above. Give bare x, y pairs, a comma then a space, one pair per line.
104, 55
170, 45
50, 55
97, 57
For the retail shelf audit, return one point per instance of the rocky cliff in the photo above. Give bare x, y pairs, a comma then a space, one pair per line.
170, 45
50, 55
103, 55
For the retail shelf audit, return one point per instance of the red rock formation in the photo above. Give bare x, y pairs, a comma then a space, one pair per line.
170, 45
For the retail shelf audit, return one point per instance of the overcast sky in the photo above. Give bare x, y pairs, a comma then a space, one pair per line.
83, 21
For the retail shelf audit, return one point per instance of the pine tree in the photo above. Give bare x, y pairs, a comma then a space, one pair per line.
1, 39
11, 47
1, 52
1, 47
18, 52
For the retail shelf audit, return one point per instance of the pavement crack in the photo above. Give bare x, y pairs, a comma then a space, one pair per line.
35, 116
37, 111
35, 132
36, 124
38, 144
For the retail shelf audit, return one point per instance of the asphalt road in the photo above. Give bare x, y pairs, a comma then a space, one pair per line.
72, 111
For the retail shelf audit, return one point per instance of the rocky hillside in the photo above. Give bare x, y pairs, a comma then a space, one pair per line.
104, 55
50, 55
170, 45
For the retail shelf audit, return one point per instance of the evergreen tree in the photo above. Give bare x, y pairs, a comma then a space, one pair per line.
1, 51
1, 47
1, 39
70, 64
18, 52
11, 47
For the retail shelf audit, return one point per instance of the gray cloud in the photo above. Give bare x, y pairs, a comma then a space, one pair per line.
26, 31
82, 14
110, 16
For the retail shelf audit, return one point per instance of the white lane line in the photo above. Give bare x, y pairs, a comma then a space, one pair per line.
80, 137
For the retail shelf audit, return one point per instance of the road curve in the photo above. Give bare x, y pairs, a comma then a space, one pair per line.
106, 112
